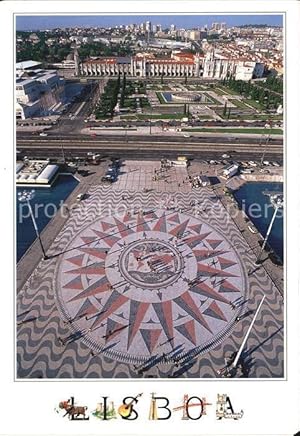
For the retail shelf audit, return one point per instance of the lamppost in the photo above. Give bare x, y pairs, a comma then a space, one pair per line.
25, 197
278, 203
229, 369
151, 108
62, 151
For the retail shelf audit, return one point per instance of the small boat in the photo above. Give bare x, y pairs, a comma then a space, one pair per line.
276, 200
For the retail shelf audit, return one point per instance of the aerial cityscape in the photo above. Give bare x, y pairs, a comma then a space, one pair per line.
150, 196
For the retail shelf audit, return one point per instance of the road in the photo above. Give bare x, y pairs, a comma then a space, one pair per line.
73, 119
112, 138
137, 150
66, 134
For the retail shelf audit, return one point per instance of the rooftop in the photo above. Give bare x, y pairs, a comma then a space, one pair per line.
27, 64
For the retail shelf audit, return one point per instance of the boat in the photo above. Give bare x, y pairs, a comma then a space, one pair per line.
276, 200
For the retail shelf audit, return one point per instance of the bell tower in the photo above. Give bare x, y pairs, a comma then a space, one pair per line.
77, 62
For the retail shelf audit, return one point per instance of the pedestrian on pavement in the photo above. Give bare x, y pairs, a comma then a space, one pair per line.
164, 357
177, 362
69, 321
61, 341
232, 305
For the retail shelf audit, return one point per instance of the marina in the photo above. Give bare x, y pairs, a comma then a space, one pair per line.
45, 204
260, 194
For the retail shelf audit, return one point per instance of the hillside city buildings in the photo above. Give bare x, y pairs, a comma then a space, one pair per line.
215, 53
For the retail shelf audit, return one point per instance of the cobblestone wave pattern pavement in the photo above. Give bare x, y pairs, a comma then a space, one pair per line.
124, 315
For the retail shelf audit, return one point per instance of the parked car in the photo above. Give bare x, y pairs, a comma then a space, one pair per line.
80, 196
109, 178
252, 163
247, 171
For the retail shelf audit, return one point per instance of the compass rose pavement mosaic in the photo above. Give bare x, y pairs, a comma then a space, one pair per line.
147, 288
150, 278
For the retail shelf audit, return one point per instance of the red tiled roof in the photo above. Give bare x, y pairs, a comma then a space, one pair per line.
184, 55
101, 61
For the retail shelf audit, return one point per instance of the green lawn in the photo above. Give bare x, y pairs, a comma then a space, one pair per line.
258, 117
240, 104
205, 117
226, 90
159, 116
218, 91
254, 104
237, 130
128, 117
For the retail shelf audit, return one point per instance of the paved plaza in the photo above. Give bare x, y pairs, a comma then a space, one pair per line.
148, 278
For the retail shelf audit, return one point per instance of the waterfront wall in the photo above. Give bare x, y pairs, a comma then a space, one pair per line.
237, 182
277, 178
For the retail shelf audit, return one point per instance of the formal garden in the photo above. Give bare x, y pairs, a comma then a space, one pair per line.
224, 101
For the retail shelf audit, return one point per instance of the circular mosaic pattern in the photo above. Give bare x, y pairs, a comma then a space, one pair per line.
151, 263
137, 285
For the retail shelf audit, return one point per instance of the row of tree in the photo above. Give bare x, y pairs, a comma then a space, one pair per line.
273, 83
109, 98
226, 112
267, 99
100, 49
123, 91
43, 52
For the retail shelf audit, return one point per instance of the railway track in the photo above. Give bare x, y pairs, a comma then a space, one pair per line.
140, 146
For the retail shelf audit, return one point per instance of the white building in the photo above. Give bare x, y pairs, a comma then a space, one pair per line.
218, 66
180, 64
39, 173
37, 90
247, 70
194, 35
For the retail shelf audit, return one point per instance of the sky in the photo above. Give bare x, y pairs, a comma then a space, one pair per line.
39, 22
